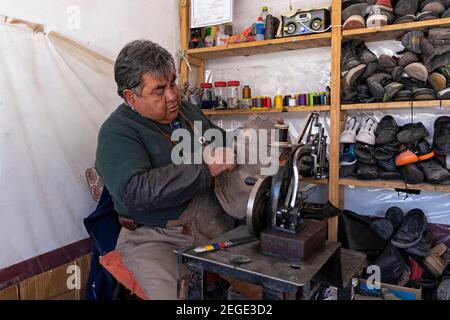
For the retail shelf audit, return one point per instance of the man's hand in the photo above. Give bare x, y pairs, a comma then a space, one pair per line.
220, 160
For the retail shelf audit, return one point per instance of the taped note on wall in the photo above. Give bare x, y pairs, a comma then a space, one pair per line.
211, 12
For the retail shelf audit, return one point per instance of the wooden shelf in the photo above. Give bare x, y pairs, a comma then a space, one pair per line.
263, 47
264, 110
397, 105
395, 184
393, 31
314, 181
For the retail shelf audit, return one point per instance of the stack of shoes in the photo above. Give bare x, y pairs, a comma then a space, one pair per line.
365, 150
419, 72
347, 157
376, 13
387, 146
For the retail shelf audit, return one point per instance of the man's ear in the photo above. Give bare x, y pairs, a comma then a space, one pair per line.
130, 97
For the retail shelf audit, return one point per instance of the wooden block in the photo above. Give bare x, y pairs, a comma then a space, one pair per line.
295, 246
11, 293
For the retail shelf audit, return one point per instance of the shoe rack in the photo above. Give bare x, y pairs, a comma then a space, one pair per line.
333, 39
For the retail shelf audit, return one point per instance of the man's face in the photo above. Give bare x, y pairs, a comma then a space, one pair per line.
160, 99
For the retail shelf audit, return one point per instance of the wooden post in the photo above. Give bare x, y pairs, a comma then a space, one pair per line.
334, 190
184, 34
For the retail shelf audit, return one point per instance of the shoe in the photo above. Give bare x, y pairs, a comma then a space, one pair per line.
406, 7
425, 94
434, 172
388, 175
398, 74
443, 290
422, 249
391, 90
353, 75
435, 6
437, 81
366, 161
406, 19
348, 171
387, 151
435, 262
354, 22
387, 165
365, 152
357, 9
417, 71
395, 215
412, 174
405, 157
376, 84
351, 128
423, 150
412, 40
411, 230
441, 138
348, 156
412, 132
367, 172
365, 55
387, 130
367, 133
403, 95
383, 228
349, 57
391, 264
407, 58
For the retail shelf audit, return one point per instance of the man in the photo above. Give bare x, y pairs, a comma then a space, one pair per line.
160, 204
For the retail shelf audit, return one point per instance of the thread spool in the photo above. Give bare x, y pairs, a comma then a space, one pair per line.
317, 101
286, 101
268, 102
292, 102
257, 102
246, 92
311, 99
278, 102
302, 100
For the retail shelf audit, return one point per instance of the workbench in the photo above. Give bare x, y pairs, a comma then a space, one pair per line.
279, 278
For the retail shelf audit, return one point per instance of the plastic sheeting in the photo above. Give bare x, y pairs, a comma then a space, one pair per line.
54, 96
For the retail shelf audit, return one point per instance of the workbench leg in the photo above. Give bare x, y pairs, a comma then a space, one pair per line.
196, 283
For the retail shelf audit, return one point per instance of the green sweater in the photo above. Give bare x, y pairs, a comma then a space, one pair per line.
134, 161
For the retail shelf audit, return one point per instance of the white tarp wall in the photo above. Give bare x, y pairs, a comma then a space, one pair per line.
53, 99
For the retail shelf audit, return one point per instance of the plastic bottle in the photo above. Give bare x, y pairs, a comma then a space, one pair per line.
260, 28
264, 14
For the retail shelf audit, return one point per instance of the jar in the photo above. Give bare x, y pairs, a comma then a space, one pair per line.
207, 95
233, 94
247, 92
220, 95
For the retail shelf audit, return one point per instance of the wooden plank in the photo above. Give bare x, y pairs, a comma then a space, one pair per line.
263, 47
314, 181
377, 106
184, 34
396, 184
426, 104
46, 286
84, 263
11, 293
265, 110
392, 32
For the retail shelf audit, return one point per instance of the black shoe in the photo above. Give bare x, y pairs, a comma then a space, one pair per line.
412, 132
411, 230
412, 174
387, 165
391, 264
348, 171
387, 130
433, 171
383, 228
422, 249
441, 139
376, 84
364, 151
395, 215
387, 151
389, 175
367, 172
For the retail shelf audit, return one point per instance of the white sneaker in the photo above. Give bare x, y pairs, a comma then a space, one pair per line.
351, 128
367, 133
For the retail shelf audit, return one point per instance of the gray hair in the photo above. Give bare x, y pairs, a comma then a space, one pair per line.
138, 58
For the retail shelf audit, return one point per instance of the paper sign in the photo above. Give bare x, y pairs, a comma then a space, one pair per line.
211, 12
